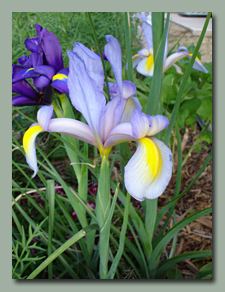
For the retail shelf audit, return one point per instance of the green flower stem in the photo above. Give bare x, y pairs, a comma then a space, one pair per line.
102, 213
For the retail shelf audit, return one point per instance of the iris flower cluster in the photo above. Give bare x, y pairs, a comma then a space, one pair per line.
149, 170
44, 66
144, 60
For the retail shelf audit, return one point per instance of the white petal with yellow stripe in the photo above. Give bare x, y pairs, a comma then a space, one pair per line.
148, 172
146, 66
29, 146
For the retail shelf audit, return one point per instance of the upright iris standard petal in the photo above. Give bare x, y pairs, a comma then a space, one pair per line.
113, 54
51, 49
85, 93
148, 172
132, 103
31, 44
92, 63
147, 29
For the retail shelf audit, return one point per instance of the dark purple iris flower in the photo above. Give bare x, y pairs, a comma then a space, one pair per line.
27, 95
45, 67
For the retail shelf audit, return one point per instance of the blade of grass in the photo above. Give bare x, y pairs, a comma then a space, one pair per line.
60, 250
201, 254
50, 191
170, 234
178, 184
115, 263
128, 46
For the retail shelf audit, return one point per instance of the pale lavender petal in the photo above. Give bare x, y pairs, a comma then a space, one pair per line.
198, 65
140, 124
113, 54
147, 29
44, 116
111, 117
129, 89
145, 52
92, 63
130, 105
85, 94
119, 134
135, 60
174, 58
72, 128
157, 124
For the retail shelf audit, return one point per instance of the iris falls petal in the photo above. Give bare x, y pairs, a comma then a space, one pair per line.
29, 146
146, 66
148, 172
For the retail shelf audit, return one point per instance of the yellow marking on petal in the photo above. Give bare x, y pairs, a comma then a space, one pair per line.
150, 62
152, 157
195, 58
30, 69
59, 76
29, 136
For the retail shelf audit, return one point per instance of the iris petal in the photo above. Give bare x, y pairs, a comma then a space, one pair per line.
140, 124
135, 60
147, 29
198, 65
29, 146
174, 58
146, 66
113, 54
85, 94
158, 123
148, 172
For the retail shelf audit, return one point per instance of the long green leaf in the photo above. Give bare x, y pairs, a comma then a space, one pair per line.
128, 47
188, 255
170, 234
60, 250
115, 263
50, 190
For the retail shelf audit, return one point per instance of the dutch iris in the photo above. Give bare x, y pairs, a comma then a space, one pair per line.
45, 67
148, 172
